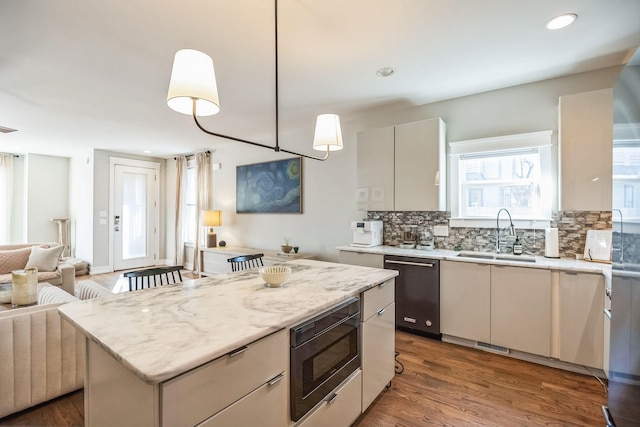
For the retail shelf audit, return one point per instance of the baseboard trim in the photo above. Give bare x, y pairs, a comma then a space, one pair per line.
528, 357
100, 270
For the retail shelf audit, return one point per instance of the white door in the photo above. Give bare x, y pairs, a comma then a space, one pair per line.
134, 215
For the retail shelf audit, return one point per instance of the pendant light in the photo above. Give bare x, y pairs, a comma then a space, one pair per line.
193, 90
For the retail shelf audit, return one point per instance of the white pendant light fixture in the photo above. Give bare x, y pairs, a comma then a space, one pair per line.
193, 90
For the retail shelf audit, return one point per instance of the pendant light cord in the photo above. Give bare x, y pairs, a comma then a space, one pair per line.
277, 112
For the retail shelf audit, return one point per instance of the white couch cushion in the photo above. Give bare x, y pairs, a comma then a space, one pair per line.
45, 259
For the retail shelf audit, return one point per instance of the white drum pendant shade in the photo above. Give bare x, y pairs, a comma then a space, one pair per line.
328, 135
193, 76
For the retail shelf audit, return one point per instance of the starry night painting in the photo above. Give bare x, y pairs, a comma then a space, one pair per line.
270, 187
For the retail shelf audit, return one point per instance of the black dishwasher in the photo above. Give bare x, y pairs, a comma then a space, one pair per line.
417, 294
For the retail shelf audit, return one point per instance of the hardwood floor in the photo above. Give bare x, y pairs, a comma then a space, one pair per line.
448, 385
442, 384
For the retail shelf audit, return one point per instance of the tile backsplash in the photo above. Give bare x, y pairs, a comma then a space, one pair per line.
572, 231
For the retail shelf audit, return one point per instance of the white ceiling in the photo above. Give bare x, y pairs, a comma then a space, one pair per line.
94, 73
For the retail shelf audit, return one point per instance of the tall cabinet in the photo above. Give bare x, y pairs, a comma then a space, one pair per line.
403, 167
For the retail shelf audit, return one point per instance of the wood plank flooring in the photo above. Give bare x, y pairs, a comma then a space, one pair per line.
442, 384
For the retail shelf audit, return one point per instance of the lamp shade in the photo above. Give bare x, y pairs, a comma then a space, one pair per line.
211, 218
193, 77
328, 135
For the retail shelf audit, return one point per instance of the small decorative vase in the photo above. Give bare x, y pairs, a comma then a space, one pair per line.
286, 248
24, 286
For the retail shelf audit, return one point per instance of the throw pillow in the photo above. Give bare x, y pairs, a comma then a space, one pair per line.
45, 259
14, 259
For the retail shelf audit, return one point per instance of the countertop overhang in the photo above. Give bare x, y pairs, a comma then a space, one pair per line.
565, 264
166, 331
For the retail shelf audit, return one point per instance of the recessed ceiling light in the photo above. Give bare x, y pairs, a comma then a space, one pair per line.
561, 21
147, 152
385, 72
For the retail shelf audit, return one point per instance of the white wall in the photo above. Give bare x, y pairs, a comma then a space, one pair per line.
17, 202
81, 205
329, 187
46, 195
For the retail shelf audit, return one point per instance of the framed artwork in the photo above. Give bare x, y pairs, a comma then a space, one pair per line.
270, 187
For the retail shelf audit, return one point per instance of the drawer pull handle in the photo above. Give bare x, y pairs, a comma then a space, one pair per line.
382, 284
332, 398
276, 379
417, 264
381, 311
607, 312
238, 351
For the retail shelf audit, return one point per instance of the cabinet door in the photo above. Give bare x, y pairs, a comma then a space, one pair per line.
418, 147
378, 352
581, 318
586, 132
521, 309
198, 394
375, 169
265, 407
625, 316
341, 408
215, 262
465, 300
362, 259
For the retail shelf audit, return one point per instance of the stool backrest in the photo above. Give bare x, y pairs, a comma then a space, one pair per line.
245, 262
152, 277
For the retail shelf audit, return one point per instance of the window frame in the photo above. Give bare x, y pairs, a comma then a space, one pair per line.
500, 146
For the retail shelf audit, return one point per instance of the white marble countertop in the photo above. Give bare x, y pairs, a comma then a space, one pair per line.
163, 332
566, 264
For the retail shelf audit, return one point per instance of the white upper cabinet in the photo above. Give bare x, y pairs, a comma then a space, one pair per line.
402, 167
586, 138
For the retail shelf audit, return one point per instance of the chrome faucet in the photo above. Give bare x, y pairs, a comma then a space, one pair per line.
512, 230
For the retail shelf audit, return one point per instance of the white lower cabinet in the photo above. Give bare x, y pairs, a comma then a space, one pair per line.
504, 306
378, 341
521, 309
362, 259
265, 407
581, 320
465, 300
195, 396
341, 408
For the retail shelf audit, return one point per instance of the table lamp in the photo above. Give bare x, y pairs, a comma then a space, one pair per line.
211, 219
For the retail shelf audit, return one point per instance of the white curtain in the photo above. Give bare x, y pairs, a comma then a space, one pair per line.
203, 172
6, 192
181, 170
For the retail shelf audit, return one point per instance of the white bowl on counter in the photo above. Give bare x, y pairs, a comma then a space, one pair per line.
275, 275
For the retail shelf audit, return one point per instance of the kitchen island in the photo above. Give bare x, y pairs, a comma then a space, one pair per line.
153, 355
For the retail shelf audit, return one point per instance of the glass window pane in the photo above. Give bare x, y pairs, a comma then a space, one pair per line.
189, 226
134, 216
509, 180
626, 179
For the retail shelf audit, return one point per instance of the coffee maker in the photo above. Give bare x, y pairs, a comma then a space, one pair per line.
409, 236
366, 233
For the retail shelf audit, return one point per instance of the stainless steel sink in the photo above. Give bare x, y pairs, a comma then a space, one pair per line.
499, 257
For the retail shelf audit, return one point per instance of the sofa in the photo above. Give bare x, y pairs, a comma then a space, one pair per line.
41, 354
45, 256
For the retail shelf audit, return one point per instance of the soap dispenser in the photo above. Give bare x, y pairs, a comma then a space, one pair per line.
517, 246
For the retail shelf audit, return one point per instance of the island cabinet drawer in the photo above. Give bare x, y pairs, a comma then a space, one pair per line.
377, 298
198, 394
341, 408
264, 407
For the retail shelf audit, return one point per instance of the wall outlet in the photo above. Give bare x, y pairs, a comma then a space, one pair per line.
441, 230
